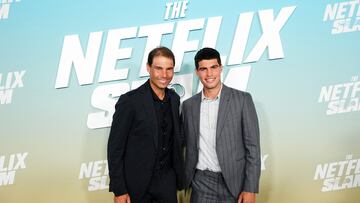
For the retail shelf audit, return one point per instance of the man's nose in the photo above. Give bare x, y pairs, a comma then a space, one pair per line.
209, 72
163, 73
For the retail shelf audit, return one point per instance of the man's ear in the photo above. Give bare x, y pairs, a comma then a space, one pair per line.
148, 67
197, 72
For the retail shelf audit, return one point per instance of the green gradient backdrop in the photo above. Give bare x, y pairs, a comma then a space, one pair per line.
50, 124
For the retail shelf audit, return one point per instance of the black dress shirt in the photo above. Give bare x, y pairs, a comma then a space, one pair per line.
165, 129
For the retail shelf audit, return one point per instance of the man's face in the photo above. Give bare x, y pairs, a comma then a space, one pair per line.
161, 72
209, 73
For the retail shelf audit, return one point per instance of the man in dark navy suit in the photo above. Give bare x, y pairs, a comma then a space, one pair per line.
144, 147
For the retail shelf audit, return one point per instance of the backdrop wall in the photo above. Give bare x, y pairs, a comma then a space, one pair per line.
65, 63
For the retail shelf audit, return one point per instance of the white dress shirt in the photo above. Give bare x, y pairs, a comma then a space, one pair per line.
208, 159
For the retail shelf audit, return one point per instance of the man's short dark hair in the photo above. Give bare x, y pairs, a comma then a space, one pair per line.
160, 51
206, 54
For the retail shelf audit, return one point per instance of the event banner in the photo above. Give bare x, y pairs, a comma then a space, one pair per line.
64, 64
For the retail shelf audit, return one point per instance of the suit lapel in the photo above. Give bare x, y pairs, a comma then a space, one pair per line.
223, 108
196, 115
174, 111
150, 111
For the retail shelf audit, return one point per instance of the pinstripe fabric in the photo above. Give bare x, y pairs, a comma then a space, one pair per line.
237, 140
210, 187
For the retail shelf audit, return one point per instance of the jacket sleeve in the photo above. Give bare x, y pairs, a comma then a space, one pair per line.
119, 132
251, 137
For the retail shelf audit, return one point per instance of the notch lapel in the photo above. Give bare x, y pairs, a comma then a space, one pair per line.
174, 111
223, 109
150, 111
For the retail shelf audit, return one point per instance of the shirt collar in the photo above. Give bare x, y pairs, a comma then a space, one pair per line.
155, 97
203, 97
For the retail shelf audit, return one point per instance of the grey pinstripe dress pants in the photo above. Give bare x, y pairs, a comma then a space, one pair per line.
210, 187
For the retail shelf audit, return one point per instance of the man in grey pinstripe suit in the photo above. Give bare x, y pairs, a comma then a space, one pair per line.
222, 138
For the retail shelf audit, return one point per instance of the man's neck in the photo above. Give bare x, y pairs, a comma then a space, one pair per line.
212, 93
159, 92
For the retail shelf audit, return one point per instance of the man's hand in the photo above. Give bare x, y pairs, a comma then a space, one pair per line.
122, 199
246, 197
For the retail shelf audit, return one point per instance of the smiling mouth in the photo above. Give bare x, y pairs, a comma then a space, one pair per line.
210, 79
163, 81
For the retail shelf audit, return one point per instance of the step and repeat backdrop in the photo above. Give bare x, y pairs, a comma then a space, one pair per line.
64, 64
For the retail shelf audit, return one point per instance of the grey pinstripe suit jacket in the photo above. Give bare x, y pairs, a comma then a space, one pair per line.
237, 140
